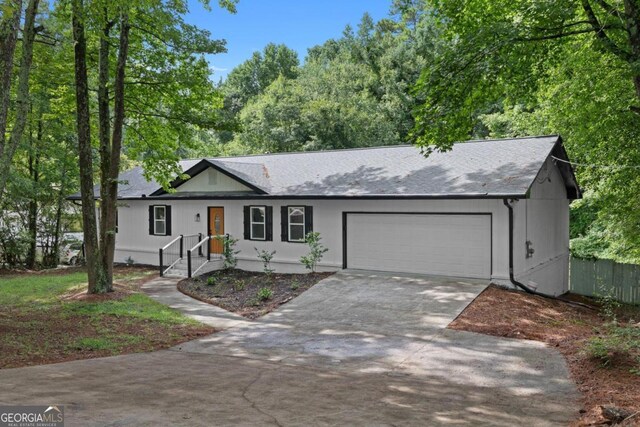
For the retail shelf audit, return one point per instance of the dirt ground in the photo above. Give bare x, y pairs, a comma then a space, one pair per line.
514, 314
237, 290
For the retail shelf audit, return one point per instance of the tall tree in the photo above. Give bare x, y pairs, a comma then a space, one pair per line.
9, 26
156, 54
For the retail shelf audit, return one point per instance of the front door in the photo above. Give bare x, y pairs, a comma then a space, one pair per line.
216, 228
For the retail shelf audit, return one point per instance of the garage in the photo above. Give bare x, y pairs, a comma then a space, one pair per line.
457, 245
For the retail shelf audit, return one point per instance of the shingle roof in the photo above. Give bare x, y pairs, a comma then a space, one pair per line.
487, 168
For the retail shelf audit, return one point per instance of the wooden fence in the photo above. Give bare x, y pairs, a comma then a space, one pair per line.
594, 277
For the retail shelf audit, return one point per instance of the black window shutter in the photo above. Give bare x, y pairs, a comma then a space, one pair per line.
269, 223
167, 218
247, 222
308, 219
151, 220
284, 223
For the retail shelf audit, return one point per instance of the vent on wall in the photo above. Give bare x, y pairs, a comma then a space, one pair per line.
213, 177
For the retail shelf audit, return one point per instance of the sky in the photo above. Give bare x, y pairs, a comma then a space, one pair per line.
299, 24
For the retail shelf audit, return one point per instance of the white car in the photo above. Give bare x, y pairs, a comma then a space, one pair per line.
72, 253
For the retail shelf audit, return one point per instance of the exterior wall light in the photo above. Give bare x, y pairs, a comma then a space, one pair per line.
197, 217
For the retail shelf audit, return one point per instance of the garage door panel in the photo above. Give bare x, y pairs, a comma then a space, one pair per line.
439, 244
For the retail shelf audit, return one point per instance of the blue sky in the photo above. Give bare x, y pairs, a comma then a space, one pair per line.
299, 24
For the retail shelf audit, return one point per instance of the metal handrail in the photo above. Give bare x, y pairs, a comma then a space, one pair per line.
164, 248
199, 244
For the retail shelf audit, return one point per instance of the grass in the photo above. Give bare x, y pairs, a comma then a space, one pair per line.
39, 323
135, 306
40, 288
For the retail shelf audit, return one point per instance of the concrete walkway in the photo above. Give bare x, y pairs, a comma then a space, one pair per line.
164, 290
357, 349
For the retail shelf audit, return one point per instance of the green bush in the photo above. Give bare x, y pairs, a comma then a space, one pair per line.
229, 251
316, 251
211, 281
264, 294
616, 345
238, 285
266, 257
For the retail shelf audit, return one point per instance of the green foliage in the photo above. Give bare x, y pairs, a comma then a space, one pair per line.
229, 251
615, 346
239, 285
294, 285
211, 281
264, 294
514, 68
316, 251
350, 92
266, 257
609, 303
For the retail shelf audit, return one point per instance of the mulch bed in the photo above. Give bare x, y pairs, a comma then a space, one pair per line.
237, 290
514, 314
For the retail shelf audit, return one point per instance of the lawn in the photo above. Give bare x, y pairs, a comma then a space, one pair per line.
601, 345
49, 318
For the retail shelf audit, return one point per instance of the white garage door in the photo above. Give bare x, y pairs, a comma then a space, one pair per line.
438, 244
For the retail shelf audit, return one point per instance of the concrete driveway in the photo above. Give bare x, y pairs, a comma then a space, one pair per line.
356, 349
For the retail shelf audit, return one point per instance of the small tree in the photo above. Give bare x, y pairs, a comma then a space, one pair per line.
316, 251
266, 257
229, 251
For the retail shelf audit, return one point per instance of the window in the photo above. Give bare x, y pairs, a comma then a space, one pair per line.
258, 223
160, 220
296, 224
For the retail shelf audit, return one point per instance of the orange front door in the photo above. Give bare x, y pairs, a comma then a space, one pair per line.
216, 228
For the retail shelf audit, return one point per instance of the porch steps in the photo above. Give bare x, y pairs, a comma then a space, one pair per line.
180, 269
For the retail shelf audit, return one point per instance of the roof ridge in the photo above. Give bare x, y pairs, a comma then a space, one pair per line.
377, 147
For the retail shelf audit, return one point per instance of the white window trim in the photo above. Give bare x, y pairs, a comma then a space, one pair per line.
156, 221
303, 224
263, 223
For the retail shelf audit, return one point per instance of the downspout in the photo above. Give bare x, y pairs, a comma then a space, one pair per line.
512, 278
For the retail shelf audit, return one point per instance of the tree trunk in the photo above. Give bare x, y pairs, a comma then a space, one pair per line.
104, 126
96, 273
22, 97
32, 221
56, 238
9, 26
111, 166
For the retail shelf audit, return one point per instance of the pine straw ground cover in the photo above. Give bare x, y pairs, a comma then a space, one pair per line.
248, 293
604, 360
48, 317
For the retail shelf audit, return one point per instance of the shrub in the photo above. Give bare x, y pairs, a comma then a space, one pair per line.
229, 251
316, 251
264, 294
616, 345
266, 257
294, 285
129, 261
211, 281
238, 285
609, 303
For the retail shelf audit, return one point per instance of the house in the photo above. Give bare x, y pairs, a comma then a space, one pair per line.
491, 209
